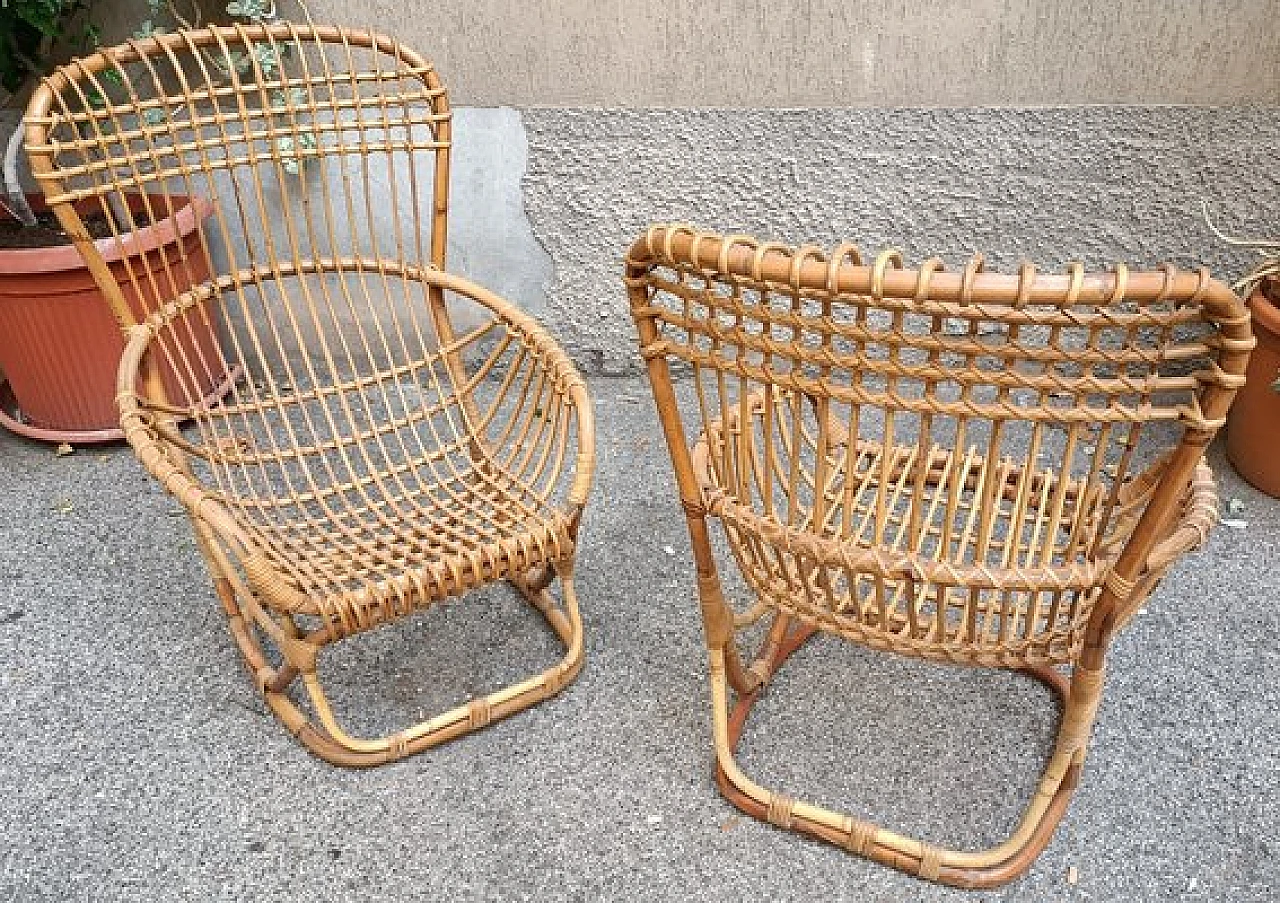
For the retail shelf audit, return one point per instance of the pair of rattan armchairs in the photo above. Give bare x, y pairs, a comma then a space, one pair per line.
966, 467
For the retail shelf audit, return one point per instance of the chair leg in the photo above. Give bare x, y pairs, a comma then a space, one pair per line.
325, 737
987, 868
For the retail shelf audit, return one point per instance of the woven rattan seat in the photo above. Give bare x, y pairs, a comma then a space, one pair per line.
394, 435
970, 625
964, 467
367, 559
511, 533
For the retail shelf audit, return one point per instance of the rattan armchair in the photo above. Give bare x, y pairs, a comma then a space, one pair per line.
397, 434
966, 467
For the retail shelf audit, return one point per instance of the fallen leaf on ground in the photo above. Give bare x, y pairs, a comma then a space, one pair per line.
64, 449
64, 506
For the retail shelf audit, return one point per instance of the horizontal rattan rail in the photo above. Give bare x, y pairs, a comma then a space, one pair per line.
967, 467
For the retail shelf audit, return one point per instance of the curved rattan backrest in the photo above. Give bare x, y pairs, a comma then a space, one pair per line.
316, 143
1006, 430
315, 149
308, 168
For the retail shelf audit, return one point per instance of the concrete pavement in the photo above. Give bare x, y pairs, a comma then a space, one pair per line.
137, 762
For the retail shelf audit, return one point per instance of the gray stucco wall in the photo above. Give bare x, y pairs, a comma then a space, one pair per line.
1098, 184
996, 172
489, 236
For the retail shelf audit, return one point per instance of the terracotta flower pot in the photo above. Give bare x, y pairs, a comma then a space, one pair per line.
60, 345
1253, 425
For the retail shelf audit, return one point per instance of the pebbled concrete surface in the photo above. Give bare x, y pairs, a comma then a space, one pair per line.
1052, 184
138, 764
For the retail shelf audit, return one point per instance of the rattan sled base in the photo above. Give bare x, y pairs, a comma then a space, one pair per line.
321, 732
982, 869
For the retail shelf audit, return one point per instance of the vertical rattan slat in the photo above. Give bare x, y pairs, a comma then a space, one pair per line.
392, 434
967, 467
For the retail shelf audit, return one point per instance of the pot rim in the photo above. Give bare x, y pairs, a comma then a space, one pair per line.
61, 258
1265, 313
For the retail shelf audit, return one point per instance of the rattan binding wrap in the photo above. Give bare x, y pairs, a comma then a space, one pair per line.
960, 466
397, 435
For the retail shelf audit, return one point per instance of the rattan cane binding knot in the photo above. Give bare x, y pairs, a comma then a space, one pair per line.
479, 712
930, 862
858, 835
781, 809
1120, 587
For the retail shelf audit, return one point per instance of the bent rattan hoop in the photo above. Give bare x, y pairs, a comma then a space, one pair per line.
397, 434
966, 467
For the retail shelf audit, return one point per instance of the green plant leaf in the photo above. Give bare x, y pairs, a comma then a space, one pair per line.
30, 30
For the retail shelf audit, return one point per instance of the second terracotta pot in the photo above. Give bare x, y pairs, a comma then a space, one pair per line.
1253, 425
60, 344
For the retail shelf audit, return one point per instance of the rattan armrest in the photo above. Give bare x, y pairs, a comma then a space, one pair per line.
150, 432
1198, 515
554, 361
1195, 517
156, 447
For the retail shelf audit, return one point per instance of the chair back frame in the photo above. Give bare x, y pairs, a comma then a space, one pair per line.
78, 94
708, 271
